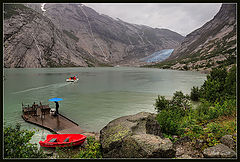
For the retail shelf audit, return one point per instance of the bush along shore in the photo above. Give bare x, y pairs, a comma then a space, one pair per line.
177, 130
209, 130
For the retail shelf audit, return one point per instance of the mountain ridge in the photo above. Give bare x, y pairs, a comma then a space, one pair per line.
210, 46
86, 37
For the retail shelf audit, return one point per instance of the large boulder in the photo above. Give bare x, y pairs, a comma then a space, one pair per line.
219, 151
131, 137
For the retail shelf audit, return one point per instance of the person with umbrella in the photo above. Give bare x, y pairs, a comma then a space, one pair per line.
56, 102
57, 106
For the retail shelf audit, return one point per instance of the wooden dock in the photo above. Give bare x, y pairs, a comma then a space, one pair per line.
41, 116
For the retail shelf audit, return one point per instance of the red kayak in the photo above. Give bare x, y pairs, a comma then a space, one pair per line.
63, 140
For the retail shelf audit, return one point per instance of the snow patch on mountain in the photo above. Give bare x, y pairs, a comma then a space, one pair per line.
42, 7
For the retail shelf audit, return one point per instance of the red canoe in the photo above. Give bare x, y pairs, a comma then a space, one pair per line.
63, 140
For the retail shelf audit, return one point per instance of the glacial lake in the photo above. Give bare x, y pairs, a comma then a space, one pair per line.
99, 96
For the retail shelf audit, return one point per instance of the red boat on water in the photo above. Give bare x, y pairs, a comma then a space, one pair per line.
63, 140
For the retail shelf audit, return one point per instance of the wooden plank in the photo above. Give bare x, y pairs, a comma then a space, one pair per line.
58, 124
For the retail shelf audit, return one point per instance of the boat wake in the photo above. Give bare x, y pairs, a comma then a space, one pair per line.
37, 88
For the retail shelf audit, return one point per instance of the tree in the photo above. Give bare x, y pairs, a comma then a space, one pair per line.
17, 145
194, 94
180, 101
230, 83
213, 88
219, 75
161, 103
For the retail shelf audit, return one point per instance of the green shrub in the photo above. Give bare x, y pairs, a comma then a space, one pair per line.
161, 103
188, 120
194, 95
170, 113
194, 131
213, 113
170, 120
230, 83
212, 90
202, 111
228, 107
91, 150
17, 145
218, 98
180, 101
66, 152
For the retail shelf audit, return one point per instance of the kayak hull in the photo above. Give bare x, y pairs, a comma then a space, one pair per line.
63, 140
71, 80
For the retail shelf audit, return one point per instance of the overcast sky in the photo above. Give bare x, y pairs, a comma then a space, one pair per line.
182, 18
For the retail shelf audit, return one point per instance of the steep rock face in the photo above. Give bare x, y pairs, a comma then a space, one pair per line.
107, 39
32, 40
212, 45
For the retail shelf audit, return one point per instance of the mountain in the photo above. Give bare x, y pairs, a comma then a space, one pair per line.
82, 37
212, 45
31, 40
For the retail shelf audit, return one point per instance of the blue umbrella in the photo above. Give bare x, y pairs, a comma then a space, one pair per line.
55, 99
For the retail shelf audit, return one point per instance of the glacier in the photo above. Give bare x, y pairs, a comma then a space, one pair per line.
158, 56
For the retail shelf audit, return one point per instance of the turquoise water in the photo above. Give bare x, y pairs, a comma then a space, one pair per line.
100, 95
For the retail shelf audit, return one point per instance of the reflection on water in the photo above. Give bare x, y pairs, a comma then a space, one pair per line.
100, 95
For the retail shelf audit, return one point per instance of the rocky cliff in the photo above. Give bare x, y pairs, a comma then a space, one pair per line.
76, 35
212, 45
32, 40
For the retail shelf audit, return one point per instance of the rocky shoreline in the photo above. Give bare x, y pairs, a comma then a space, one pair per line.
140, 136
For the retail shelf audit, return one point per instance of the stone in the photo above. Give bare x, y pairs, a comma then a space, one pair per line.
219, 151
228, 141
48, 151
152, 126
147, 146
184, 156
129, 137
184, 148
92, 134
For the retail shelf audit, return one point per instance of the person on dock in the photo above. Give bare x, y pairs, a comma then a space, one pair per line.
74, 78
57, 106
